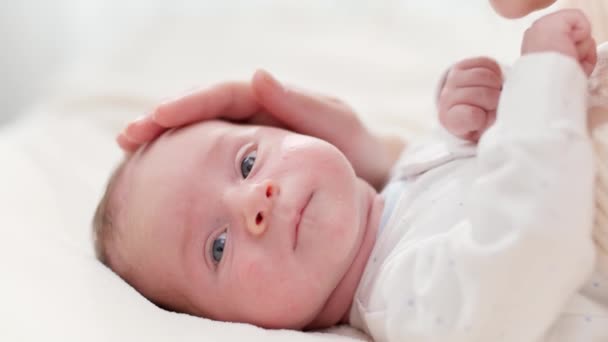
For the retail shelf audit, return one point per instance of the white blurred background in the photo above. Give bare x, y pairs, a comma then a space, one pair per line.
43, 41
72, 72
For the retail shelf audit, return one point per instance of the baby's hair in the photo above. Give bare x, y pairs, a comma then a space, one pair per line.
105, 229
104, 226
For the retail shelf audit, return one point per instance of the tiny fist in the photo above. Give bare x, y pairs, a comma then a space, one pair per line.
469, 97
561, 32
465, 121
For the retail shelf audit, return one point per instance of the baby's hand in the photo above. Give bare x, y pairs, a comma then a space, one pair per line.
567, 32
469, 97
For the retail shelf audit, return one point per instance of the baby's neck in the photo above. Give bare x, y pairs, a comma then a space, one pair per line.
337, 308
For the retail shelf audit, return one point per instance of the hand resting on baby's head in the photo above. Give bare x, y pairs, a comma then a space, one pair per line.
258, 224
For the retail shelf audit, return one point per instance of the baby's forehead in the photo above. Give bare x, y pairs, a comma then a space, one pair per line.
183, 140
167, 166
154, 182
180, 157
208, 132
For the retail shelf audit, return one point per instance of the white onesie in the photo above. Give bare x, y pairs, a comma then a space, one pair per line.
494, 242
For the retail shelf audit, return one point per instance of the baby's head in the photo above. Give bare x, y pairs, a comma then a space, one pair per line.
240, 223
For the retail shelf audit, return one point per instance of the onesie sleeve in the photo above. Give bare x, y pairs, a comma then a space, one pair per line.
505, 272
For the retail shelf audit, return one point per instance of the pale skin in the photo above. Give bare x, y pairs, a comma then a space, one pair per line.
245, 224
469, 96
317, 279
471, 92
265, 100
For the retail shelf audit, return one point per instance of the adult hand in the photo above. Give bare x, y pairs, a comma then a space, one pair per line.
229, 100
266, 101
469, 97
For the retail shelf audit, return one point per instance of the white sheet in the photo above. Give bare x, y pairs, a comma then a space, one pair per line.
54, 162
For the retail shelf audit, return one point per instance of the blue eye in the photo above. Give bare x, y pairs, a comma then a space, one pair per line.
217, 249
247, 163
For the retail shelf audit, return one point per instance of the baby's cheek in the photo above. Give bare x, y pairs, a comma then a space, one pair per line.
248, 273
272, 297
255, 277
343, 220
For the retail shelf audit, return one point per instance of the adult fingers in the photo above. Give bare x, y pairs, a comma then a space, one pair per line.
126, 144
143, 130
230, 100
306, 113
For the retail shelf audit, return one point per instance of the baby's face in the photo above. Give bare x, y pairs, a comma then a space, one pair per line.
241, 223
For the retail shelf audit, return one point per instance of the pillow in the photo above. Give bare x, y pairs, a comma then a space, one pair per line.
53, 286
56, 159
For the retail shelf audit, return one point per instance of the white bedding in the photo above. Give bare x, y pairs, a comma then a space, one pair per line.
384, 61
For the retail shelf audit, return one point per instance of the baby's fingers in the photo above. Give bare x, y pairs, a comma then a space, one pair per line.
478, 62
587, 53
483, 97
464, 121
475, 77
578, 24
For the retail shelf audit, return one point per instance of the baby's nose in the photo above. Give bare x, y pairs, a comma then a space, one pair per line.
260, 205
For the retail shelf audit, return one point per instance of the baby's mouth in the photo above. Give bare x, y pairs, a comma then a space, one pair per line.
298, 220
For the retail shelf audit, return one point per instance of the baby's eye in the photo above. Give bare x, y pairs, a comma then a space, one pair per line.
247, 163
217, 249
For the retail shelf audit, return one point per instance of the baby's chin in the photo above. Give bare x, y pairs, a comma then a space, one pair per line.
331, 305
337, 307
290, 319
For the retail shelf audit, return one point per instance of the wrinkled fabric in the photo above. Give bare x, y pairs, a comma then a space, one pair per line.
495, 242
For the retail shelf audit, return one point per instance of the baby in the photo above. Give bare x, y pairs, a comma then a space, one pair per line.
467, 242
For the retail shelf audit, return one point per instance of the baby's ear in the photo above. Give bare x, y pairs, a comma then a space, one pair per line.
598, 81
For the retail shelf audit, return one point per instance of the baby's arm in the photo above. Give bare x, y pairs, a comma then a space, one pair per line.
505, 272
469, 92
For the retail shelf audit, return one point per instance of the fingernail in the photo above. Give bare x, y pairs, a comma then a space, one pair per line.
154, 115
270, 79
124, 142
138, 120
